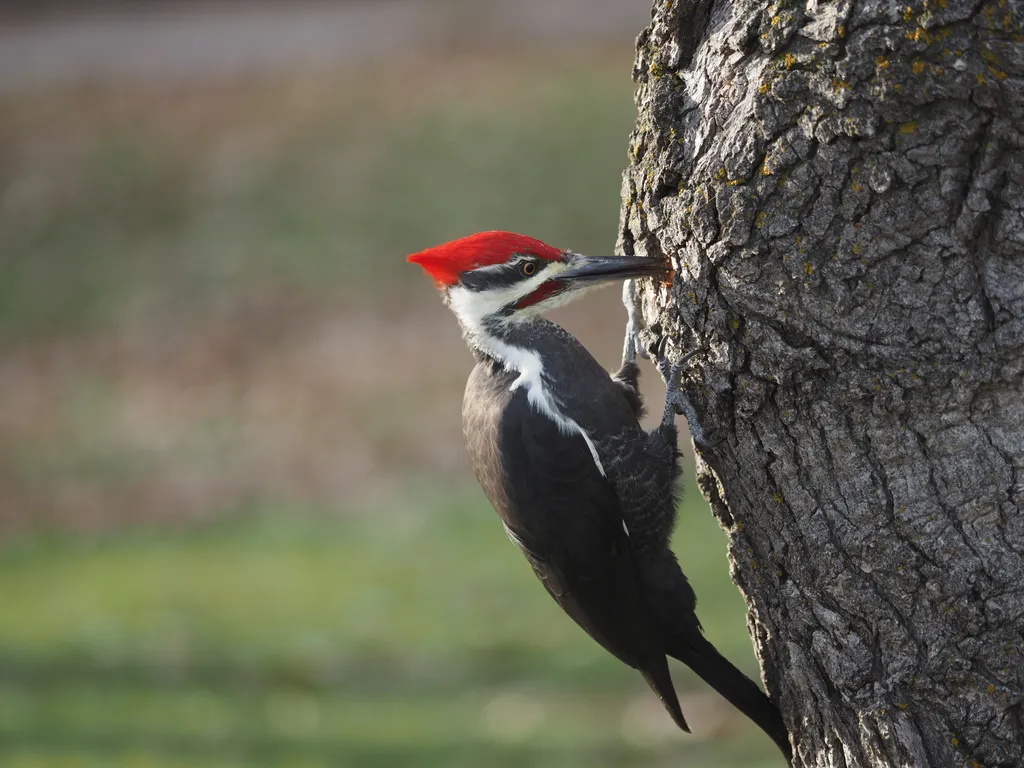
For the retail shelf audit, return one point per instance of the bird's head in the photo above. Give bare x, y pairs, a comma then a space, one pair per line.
501, 277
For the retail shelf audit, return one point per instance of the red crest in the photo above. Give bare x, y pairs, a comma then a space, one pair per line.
444, 263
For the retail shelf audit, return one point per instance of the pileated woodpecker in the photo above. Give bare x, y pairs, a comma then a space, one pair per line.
583, 490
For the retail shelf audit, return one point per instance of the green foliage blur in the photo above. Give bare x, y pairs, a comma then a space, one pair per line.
239, 529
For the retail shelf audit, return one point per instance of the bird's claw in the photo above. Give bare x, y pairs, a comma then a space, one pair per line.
676, 399
707, 441
678, 402
668, 371
659, 355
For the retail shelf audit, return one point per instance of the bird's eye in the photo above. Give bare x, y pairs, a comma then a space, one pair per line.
528, 268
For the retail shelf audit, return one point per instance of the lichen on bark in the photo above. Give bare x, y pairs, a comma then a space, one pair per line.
840, 187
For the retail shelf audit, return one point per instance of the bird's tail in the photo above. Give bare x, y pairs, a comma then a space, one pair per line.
658, 677
696, 652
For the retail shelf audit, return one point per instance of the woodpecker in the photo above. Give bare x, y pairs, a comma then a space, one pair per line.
583, 490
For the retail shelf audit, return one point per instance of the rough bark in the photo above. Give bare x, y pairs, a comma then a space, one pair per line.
840, 186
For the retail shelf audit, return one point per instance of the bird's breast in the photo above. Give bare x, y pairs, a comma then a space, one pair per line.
523, 454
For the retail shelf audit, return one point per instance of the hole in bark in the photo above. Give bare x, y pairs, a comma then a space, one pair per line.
667, 186
750, 42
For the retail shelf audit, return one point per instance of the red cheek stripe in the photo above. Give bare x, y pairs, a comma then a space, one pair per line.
545, 291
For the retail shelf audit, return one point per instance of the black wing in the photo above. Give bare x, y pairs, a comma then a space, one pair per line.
641, 467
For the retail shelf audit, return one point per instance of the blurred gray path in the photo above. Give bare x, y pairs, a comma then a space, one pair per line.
183, 41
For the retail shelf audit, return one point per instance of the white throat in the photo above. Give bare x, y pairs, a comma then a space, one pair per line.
473, 313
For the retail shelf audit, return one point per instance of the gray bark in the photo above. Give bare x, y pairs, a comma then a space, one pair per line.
840, 187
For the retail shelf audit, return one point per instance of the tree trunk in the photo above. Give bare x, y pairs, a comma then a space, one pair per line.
840, 187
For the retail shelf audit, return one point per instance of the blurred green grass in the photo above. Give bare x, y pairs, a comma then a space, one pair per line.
410, 636
295, 628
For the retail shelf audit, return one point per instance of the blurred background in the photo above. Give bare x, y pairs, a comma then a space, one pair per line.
238, 524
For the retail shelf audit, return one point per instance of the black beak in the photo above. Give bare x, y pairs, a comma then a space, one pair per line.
600, 268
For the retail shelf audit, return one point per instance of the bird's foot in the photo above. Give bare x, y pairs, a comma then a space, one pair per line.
631, 347
672, 373
678, 402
